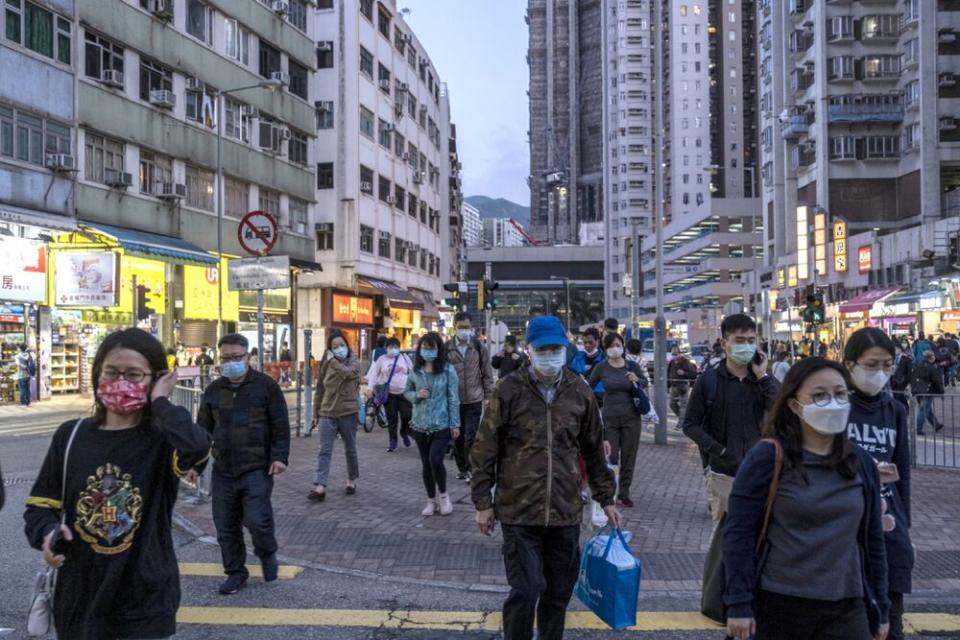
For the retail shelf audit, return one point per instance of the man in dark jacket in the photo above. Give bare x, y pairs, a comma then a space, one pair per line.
510, 359
247, 414
471, 360
727, 406
902, 373
927, 383
681, 373
539, 422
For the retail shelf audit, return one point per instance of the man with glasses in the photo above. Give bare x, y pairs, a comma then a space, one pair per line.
247, 414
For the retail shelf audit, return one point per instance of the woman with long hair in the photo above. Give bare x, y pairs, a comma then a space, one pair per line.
818, 571
117, 573
878, 423
336, 408
434, 391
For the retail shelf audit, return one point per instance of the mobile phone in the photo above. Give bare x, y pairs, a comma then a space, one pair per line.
758, 358
58, 544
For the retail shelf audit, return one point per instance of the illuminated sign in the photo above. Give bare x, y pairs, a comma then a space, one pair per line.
803, 252
865, 258
781, 278
820, 243
352, 310
951, 316
840, 246
792, 275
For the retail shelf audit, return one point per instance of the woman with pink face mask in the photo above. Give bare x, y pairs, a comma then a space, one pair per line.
101, 507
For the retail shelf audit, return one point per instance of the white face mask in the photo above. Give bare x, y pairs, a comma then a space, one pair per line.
615, 352
548, 363
828, 420
870, 382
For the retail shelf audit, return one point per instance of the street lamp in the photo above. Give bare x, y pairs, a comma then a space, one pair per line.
566, 286
271, 84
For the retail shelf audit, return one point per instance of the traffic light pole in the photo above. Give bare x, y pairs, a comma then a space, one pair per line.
660, 323
136, 299
487, 313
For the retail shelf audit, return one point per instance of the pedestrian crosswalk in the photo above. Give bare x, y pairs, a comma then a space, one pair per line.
20, 430
210, 569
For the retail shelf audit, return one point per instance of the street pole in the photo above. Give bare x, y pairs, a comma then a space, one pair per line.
566, 285
487, 315
260, 328
220, 192
660, 324
307, 377
135, 307
636, 241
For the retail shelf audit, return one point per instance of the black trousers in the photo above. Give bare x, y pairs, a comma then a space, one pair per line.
542, 565
432, 447
781, 617
896, 616
243, 502
399, 411
469, 423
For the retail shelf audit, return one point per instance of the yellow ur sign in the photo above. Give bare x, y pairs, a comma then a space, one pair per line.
480, 292
840, 246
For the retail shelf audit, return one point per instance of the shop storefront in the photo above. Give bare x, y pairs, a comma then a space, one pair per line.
23, 277
277, 321
856, 313
401, 310
950, 321
197, 307
430, 315
350, 314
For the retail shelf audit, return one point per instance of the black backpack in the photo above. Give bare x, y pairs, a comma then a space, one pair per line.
31, 366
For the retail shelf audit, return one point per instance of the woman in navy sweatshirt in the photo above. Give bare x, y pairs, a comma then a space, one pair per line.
878, 423
821, 572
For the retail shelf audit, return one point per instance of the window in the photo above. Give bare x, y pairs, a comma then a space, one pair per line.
383, 22
399, 197
99, 55
840, 67
153, 77
423, 260
366, 122
383, 133
414, 156
366, 63
412, 105
411, 57
298, 215
887, 66
324, 4
325, 115
383, 248
199, 188
200, 21
200, 108
412, 255
155, 169
399, 144
269, 59
235, 124
399, 42
883, 146
383, 189
842, 148
298, 79
237, 41
383, 75
270, 202
101, 153
298, 14
297, 147
27, 137
325, 175
325, 237
366, 238
412, 205
325, 55
236, 200
30, 25
366, 180
366, 8
400, 251
423, 212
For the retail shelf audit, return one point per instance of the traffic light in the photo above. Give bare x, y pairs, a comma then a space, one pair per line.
454, 300
814, 313
486, 296
144, 310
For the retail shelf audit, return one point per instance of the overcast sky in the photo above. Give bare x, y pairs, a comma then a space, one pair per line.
479, 48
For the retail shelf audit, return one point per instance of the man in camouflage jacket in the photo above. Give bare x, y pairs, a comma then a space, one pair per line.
540, 420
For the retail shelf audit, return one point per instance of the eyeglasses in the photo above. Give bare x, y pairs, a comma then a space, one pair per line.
823, 398
130, 375
874, 367
237, 358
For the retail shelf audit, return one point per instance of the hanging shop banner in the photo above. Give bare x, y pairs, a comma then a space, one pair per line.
840, 246
23, 274
200, 294
150, 274
11, 313
85, 279
865, 258
352, 310
950, 316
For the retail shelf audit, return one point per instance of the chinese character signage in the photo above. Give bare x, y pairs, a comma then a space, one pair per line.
23, 272
840, 246
352, 310
85, 279
200, 294
865, 258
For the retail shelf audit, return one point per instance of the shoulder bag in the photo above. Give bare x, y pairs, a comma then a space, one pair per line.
40, 617
383, 392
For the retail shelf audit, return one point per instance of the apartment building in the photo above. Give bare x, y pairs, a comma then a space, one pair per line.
566, 119
451, 229
472, 226
385, 181
501, 232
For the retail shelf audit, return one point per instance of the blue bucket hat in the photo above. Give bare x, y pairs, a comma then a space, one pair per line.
545, 331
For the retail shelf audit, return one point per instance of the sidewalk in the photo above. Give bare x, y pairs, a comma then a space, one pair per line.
380, 529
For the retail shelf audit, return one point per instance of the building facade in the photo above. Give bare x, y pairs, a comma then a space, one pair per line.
501, 232
472, 226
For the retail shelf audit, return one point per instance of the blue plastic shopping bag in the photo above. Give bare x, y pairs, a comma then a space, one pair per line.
609, 581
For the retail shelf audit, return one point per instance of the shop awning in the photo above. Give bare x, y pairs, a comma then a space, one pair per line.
399, 297
305, 265
909, 298
155, 245
44, 219
864, 301
430, 309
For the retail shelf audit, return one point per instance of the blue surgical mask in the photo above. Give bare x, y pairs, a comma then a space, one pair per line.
743, 353
464, 334
393, 352
548, 363
234, 370
428, 355
340, 353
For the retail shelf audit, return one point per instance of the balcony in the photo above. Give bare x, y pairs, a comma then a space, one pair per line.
852, 113
797, 126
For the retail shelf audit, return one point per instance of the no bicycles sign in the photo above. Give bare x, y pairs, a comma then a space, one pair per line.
257, 233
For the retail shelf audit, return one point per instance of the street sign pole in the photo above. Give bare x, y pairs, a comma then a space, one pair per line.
260, 327
136, 310
487, 277
307, 377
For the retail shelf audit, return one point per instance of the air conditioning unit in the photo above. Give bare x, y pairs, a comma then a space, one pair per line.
163, 98
366, 186
61, 162
171, 191
324, 105
280, 7
117, 179
324, 45
285, 133
391, 199
282, 76
162, 9
402, 86
249, 111
947, 79
112, 78
385, 85
948, 123
193, 84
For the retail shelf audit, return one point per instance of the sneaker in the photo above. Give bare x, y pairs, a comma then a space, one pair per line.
430, 509
406, 441
462, 475
270, 568
233, 584
350, 490
938, 428
446, 507
316, 496
468, 476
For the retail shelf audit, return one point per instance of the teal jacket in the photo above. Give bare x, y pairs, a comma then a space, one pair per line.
442, 409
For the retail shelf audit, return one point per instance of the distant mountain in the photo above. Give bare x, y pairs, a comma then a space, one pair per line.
500, 208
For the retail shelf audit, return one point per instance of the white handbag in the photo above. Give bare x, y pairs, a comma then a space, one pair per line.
40, 617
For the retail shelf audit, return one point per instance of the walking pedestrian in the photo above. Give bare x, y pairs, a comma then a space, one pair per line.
727, 406
903, 373
471, 360
878, 423
927, 383
822, 569
337, 408
26, 369
380, 349
389, 374
538, 423
681, 373
246, 413
920, 346
781, 366
592, 355
611, 325
510, 359
434, 391
622, 425
113, 479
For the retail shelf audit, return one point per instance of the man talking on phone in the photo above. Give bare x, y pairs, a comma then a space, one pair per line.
727, 407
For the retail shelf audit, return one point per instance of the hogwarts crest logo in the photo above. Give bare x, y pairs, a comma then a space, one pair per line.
109, 511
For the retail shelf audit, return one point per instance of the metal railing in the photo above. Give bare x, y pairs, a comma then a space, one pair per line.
188, 397
939, 418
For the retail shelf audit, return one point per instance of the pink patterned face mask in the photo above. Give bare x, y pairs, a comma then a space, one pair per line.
122, 396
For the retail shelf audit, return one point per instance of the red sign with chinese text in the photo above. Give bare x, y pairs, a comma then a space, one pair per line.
352, 310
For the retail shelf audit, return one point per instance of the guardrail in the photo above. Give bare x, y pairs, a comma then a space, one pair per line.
188, 397
939, 418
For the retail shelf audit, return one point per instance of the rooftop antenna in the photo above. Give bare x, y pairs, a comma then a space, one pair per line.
405, 11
